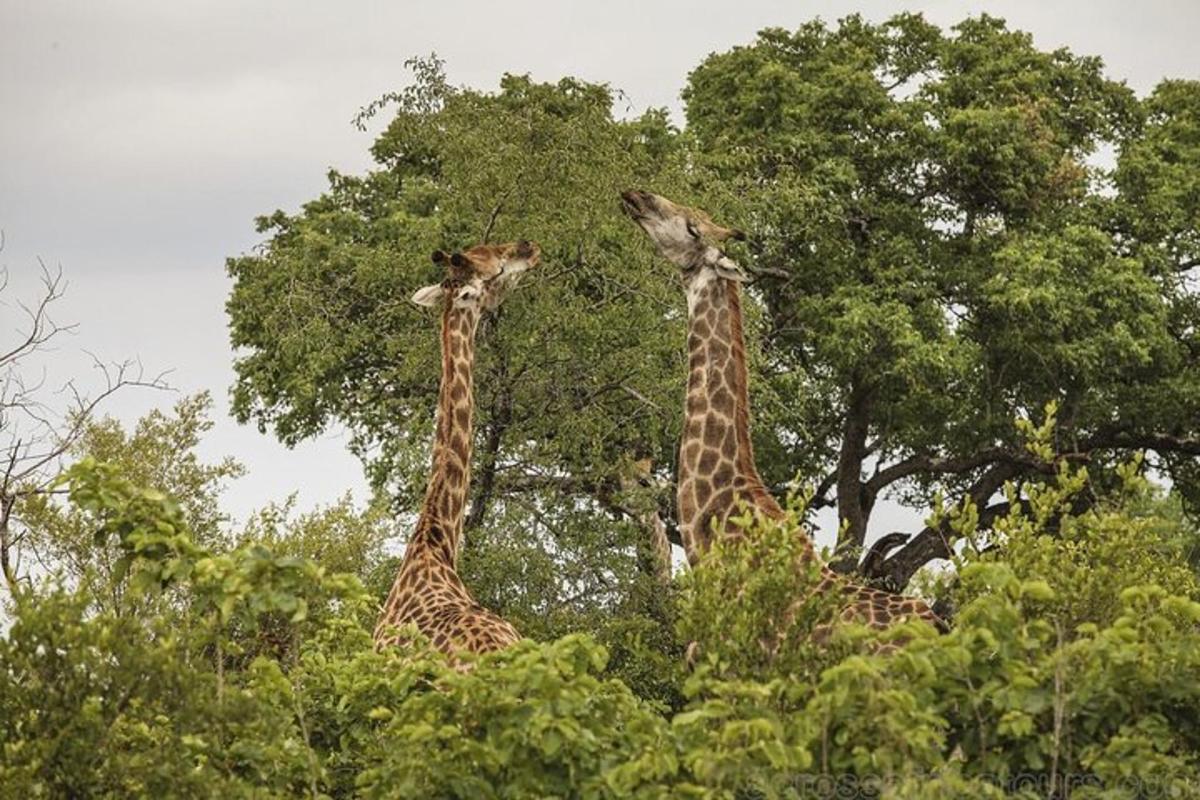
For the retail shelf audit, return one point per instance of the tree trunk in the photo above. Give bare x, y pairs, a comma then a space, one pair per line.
853, 512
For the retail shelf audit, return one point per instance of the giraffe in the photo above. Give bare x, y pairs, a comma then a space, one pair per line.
655, 553
717, 470
427, 590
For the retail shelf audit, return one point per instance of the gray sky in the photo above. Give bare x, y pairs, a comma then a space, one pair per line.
138, 140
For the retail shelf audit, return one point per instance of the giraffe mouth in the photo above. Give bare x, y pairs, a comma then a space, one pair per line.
634, 203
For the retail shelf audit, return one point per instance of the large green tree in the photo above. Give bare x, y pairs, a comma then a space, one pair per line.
941, 253
577, 378
937, 250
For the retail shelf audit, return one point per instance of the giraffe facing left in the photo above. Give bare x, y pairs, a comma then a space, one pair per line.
427, 590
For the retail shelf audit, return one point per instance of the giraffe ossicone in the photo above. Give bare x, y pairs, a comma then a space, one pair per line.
717, 471
427, 591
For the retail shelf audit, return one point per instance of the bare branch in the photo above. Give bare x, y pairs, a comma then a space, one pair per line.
769, 272
38, 432
491, 223
41, 327
885, 544
636, 395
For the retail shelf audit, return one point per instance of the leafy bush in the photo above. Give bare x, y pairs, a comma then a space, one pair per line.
248, 673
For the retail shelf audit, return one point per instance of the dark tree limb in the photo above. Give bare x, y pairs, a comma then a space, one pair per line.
878, 551
1001, 465
920, 464
934, 541
853, 507
603, 492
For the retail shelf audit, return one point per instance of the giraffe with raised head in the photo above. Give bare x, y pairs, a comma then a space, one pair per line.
717, 472
427, 590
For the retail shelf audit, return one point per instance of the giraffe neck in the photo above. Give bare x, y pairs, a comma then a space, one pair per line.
716, 458
439, 527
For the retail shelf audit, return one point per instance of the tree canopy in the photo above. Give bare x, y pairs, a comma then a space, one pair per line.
576, 380
939, 248
944, 253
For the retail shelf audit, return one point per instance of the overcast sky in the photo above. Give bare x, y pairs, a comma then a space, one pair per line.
138, 140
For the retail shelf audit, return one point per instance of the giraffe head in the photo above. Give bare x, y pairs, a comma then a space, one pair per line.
685, 236
480, 276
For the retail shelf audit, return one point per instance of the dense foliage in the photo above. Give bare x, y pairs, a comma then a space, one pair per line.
946, 254
245, 672
571, 386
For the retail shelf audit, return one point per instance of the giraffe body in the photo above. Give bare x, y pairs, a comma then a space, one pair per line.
427, 590
717, 472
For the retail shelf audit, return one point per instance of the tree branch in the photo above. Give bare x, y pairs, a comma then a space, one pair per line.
934, 542
875, 556
491, 223
497, 426
916, 464
603, 492
36, 438
1146, 441
850, 498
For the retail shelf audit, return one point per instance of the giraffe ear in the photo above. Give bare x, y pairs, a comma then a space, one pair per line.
729, 270
429, 296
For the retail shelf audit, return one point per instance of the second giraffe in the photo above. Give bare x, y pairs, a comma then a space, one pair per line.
716, 461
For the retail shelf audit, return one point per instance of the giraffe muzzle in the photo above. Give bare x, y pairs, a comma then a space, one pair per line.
635, 202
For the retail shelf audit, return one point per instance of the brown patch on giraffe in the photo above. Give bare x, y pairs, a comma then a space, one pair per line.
721, 402
729, 445
730, 375
714, 432
687, 504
